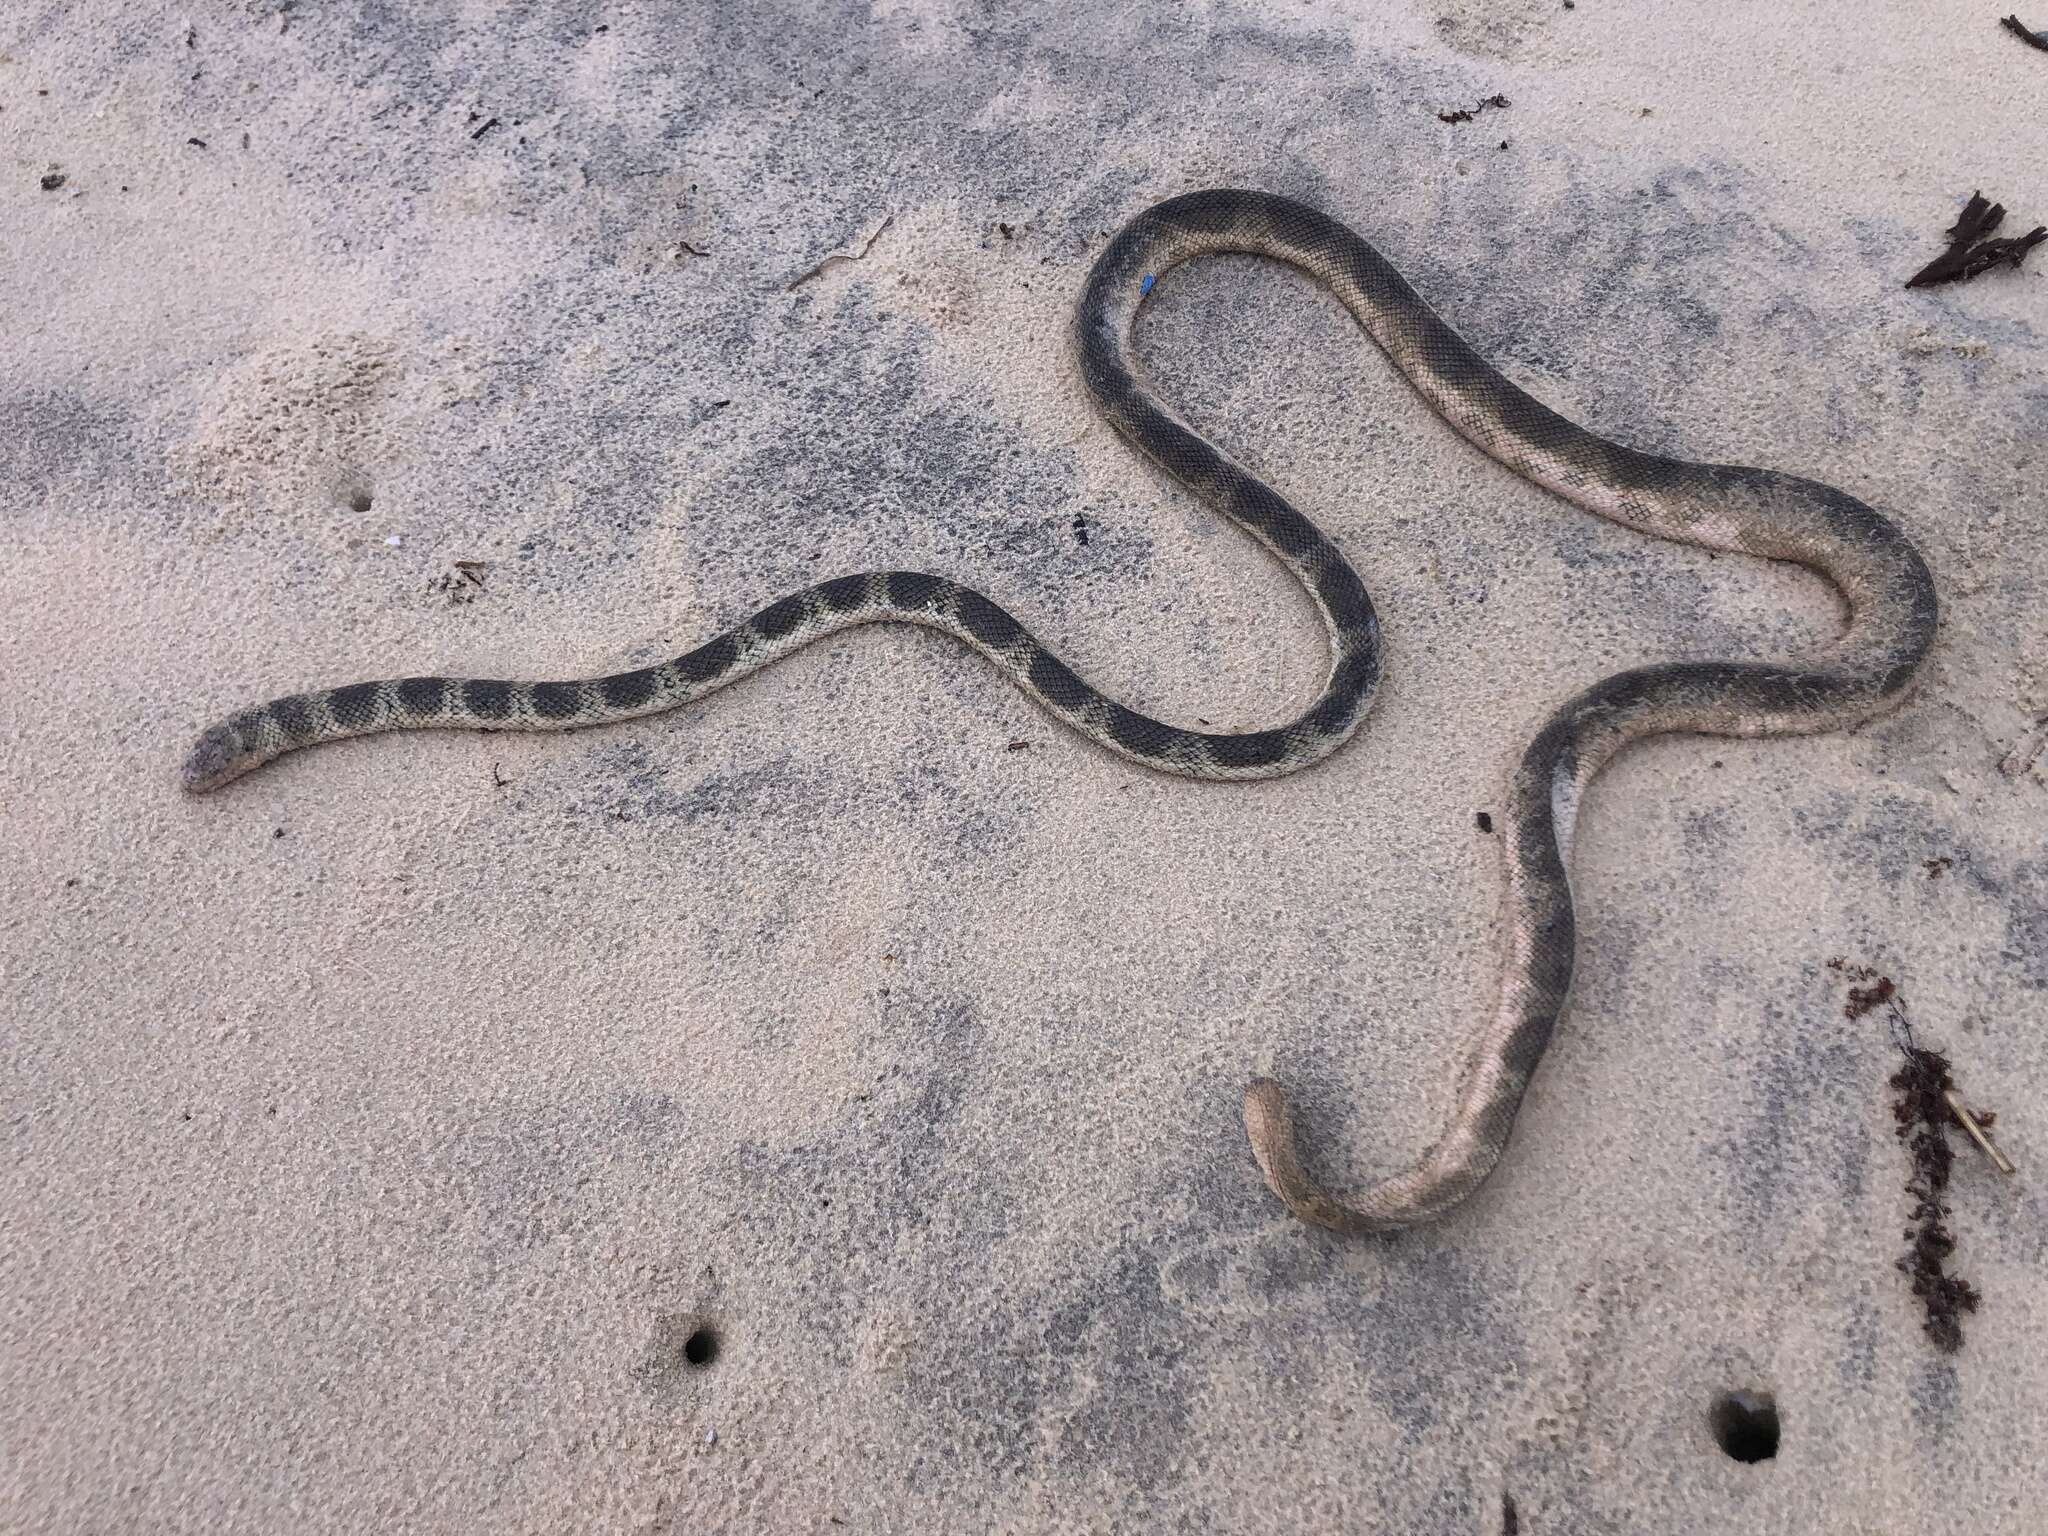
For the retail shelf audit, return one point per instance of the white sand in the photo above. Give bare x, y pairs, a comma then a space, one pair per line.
376, 1134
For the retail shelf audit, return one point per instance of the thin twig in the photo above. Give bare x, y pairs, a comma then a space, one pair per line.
1970, 1123
2026, 751
839, 256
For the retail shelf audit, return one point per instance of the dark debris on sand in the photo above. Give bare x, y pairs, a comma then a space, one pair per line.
2020, 29
1466, 114
1924, 1115
1970, 248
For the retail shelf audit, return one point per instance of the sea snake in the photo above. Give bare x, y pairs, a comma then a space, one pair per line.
1886, 585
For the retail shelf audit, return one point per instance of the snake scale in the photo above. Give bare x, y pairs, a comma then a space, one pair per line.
1888, 590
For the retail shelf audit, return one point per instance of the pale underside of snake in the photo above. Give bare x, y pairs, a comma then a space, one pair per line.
1887, 588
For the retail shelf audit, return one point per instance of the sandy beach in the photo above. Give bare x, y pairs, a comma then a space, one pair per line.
817, 1108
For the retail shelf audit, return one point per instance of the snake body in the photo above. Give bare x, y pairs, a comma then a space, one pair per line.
1887, 587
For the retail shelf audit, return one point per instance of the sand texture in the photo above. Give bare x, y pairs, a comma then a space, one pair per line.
378, 1131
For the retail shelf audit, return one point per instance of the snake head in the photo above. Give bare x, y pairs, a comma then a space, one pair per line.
215, 758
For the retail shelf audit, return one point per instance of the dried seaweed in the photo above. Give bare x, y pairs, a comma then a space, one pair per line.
1863, 999
1924, 1109
2020, 29
1466, 114
1923, 1114
1971, 250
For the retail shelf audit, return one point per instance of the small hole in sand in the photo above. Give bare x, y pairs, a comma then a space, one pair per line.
701, 1347
359, 501
1746, 1425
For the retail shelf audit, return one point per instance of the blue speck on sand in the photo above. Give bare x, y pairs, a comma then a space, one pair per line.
1146, 286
